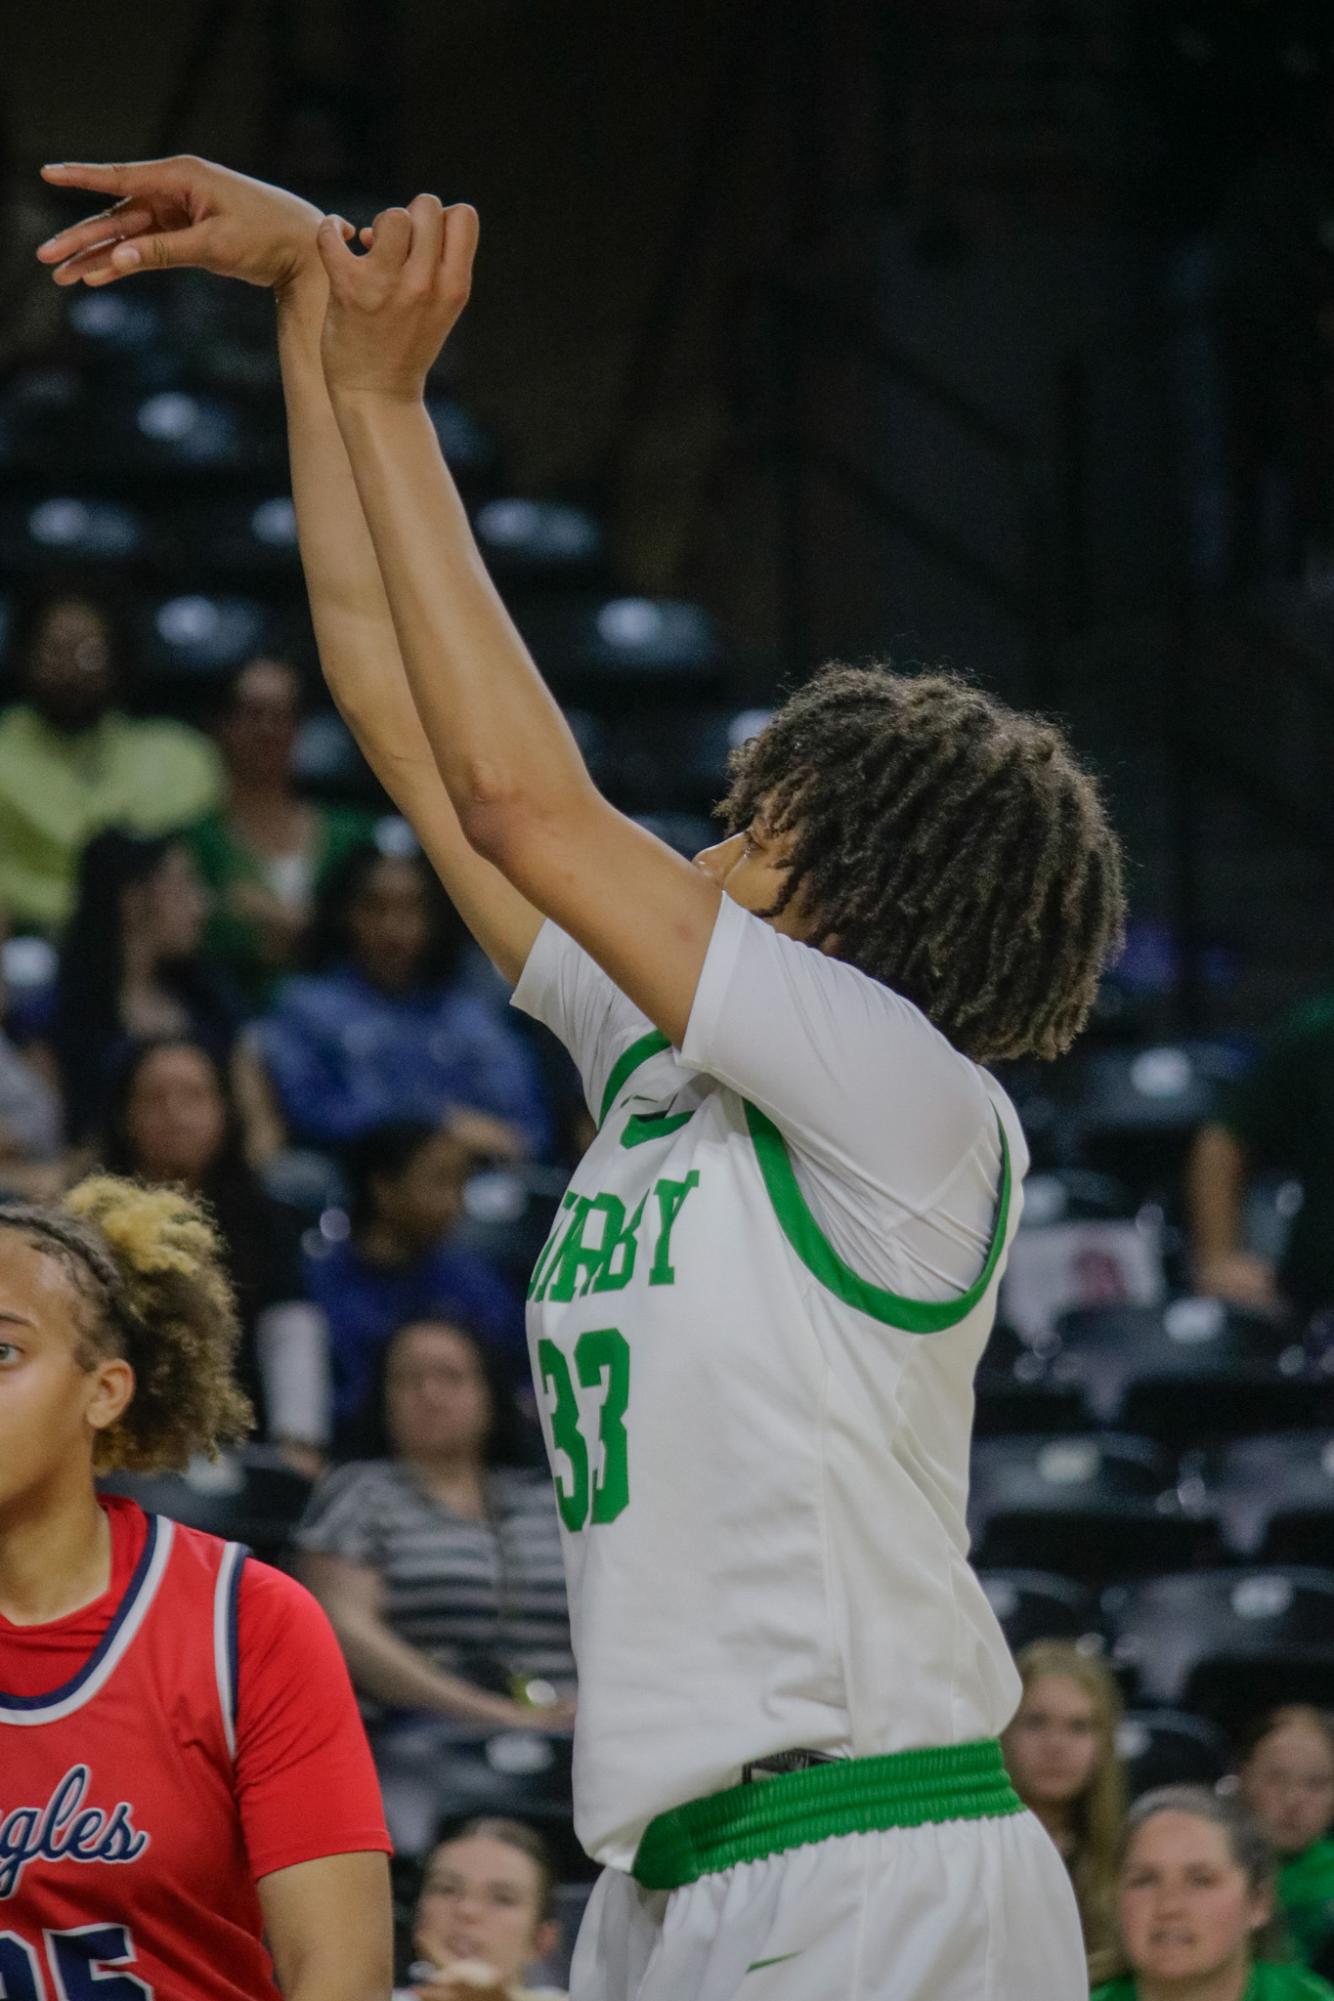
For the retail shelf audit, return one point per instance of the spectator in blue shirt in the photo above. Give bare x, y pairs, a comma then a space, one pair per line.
397, 1264
383, 1030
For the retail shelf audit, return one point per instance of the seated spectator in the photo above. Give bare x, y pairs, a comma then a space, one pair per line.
71, 763
397, 1263
484, 1912
1281, 1117
383, 1031
1196, 1905
131, 969
31, 1116
1287, 1780
439, 1563
264, 850
1061, 1752
172, 1117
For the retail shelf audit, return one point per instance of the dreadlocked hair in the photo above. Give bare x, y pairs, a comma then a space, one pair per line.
944, 844
147, 1264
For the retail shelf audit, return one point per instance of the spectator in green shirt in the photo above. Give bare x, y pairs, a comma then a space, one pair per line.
72, 763
264, 851
1281, 1117
1196, 1906
1287, 1780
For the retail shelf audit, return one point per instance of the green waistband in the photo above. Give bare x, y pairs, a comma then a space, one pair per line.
845, 1796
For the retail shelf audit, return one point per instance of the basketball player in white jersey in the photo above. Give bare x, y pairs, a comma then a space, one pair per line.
756, 1321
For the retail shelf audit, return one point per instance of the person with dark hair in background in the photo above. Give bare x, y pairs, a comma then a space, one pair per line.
1060, 1750
188, 1796
1286, 1774
1196, 1906
758, 1317
264, 850
72, 763
385, 1031
396, 1262
439, 1563
131, 968
484, 1914
172, 1117
32, 1119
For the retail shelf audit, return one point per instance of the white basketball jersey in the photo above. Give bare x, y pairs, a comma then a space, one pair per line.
760, 1456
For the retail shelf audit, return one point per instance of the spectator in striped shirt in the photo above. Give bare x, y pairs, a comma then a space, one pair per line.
439, 1565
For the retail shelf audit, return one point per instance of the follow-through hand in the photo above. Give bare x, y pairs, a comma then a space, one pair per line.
391, 309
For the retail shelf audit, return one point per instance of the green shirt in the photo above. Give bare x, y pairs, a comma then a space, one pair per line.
1283, 1115
224, 863
1306, 1894
1267, 1983
58, 788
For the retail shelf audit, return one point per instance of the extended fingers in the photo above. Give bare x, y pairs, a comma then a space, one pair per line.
124, 218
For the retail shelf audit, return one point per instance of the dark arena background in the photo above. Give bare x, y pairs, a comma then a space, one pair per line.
999, 336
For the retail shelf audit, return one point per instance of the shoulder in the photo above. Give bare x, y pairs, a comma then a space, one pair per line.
1115, 1990
161, 737
370, 1483
1287, 1983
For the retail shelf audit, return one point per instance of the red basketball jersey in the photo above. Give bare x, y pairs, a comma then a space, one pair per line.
123, 1870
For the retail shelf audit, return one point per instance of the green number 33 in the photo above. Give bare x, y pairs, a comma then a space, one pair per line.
601, 1352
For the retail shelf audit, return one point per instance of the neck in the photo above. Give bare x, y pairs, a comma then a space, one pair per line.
55, 1548
461, 1481
1058, 1822
1227, 1983
261, 798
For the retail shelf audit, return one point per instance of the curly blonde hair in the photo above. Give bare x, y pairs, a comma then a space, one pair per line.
147, 1264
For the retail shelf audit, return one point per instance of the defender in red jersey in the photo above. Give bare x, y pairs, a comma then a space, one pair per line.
188, 1808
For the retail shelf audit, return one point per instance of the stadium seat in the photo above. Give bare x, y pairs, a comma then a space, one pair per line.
593, 646
183, 433
1135, 1109
1272, 1495
239, 539
506, 1216
119, 327
1166, 1629
1081, 1243
250, 1497
1038, 1605
45, 411
470, 449
1089, 1507
1015, 1392
541, 541
194, 639
1180, 1368
65, 529
1170, 1747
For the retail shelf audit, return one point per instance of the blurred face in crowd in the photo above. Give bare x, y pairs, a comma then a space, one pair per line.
1288, 1783
389, 924
257, 733
437, 1401
421, 1203
482, 1899
167, 911
1051, 1747
1188, 1909
70, 671
176, 1117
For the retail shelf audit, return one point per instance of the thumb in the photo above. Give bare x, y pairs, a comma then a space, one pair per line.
162, 249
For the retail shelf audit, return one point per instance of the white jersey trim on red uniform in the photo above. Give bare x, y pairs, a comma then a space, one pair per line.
224, 1636
27, 1711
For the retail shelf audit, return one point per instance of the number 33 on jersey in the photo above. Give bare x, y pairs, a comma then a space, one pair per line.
596, 1248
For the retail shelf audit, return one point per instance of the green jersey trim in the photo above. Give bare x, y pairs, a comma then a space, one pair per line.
808, 1240
623, 1069
845, 1796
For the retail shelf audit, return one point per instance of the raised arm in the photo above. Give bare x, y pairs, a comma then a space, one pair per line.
511, 767
185, 211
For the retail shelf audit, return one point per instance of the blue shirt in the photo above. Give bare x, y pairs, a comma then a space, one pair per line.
367, 1303
346, 1057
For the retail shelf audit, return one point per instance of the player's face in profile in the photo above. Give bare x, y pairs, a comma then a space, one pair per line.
1187, 1908
46, 1397
481, 1900
437, 1403
1051, 1747
1288, 1784
751, 868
